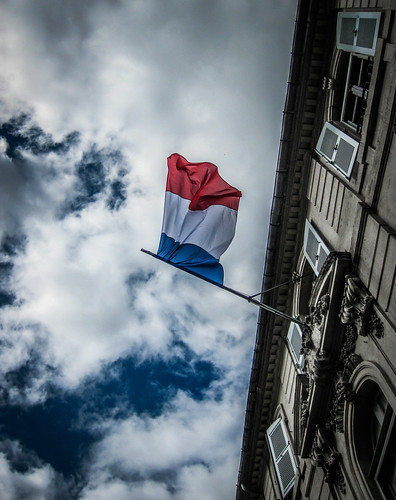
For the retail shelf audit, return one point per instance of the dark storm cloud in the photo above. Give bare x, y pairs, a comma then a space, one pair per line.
7, 297
27, 163
118, 192
93, 179
22, 135
25, 168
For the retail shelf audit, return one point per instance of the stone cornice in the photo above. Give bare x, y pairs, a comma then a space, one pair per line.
287, 215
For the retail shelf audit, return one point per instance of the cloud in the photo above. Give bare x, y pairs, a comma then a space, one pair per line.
32, 485
160, 443
94, 96
116, 488
190, 446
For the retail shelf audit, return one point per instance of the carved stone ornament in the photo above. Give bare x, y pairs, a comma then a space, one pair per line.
357, 308
327, 83
304, 412
321, 308
317, 362
342, 388
314, 322
325, 455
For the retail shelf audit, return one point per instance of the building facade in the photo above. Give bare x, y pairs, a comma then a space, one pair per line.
320, 419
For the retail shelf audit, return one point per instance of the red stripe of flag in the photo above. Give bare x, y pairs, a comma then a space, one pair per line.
200, 183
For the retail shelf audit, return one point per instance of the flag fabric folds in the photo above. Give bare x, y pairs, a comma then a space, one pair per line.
200, 215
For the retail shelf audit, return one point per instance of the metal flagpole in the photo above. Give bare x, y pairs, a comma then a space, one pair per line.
231, 290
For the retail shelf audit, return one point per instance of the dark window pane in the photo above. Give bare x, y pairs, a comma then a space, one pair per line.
365, 36
295, 341
329, 143
344, 155
312, 246
387, 473
286, 470
278, 440
378, 418
321, 258
347, 30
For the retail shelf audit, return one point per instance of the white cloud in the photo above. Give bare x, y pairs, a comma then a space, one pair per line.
189, 432
116, 488
35, 484
146, 78
215, 483
192, 441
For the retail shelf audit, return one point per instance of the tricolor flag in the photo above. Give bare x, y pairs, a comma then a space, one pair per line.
199, 218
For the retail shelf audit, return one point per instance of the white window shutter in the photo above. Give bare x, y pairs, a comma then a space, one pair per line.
358, 31
294, 338
337, 148
315, 250
282, 455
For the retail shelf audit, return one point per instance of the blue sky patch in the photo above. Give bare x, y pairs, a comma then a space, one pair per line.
60, 430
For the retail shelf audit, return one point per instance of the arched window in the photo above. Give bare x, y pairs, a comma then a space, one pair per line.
372, 439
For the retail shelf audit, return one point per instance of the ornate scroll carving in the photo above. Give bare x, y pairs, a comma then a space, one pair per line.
342, 388
325, 455
318, 365
304, 412
322, 306
376, 326
357, 308
323, 367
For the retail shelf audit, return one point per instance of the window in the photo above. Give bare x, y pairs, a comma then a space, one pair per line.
337, 148
356, 91
294, 338
358, 31
315, 250
375, 440
383, 446
282, 456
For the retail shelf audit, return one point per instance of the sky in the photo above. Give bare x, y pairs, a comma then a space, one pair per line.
122, 377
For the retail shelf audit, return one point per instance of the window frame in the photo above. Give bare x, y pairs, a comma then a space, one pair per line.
353, 47
278, 456
358, 91
381, 448
321, 246
341, 136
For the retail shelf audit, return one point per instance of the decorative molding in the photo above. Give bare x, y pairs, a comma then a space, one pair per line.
304, 412
342, 387
323, 367
357, 308
313, 324
327, 83
321, 283
321, 308
376, 327
325, 455
318, 363
328, 354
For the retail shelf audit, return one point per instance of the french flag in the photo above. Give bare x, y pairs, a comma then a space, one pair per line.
199, 218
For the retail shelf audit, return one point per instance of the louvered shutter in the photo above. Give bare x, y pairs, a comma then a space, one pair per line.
294, 338
337, 148
282, 456
315, 250
358, 31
